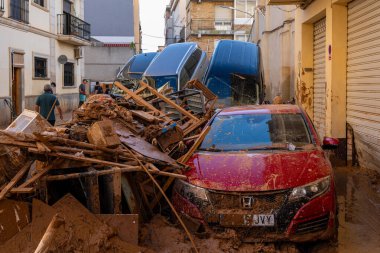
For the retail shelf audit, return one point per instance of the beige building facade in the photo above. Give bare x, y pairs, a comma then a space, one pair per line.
337, 61
40, 42
274, 32
209, 21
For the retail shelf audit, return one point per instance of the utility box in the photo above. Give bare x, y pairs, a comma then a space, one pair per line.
28, 122
103, 134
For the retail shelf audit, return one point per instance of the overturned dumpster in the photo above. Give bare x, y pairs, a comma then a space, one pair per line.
89, 183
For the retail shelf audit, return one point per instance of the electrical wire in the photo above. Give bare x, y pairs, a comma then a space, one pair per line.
235, 29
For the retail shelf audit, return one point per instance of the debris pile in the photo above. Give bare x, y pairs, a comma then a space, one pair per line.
117, 155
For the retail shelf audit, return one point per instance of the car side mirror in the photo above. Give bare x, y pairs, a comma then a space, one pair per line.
330, 143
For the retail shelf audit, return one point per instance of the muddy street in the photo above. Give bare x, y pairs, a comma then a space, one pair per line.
359, 225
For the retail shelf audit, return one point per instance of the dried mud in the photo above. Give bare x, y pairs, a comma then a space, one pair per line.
359, 224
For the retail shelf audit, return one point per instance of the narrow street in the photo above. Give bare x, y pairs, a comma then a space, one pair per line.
190, 126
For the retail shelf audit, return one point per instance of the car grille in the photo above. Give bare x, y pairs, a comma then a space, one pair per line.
315, 225
262, 203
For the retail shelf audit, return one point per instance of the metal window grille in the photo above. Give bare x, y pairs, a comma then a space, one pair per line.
71, 25
40, 67
19, 10
68, 74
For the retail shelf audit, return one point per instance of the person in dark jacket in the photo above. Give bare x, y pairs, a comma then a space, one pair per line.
98, 88
46, 103
108, 90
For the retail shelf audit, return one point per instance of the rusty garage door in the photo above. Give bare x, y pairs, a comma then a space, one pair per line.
319, 92
363, 79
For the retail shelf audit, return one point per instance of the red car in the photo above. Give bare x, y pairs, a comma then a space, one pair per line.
262, 171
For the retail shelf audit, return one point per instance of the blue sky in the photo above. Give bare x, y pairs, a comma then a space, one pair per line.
152, 23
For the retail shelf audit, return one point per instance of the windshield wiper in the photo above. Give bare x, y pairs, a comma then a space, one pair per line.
211, 149
267, 148
288, 146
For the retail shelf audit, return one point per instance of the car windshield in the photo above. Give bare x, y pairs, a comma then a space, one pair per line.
256, 132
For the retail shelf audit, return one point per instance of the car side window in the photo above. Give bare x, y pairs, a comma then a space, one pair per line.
189, 67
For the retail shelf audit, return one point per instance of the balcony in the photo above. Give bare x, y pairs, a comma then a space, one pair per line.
73, 30
19, 10
210, 27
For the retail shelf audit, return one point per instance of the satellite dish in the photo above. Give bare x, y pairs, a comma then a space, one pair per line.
62, 59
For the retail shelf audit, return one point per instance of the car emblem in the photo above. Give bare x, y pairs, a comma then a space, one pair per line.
247, 202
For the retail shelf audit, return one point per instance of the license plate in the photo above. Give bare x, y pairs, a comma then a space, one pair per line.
249, 220
259, 220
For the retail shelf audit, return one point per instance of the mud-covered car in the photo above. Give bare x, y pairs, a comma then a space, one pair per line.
262, 171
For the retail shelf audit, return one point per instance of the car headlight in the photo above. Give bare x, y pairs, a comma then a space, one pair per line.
189, 191
311, 190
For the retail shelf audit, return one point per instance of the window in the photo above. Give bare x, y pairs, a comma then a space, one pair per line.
19, 10
242, 37
40, 67
67, 6
40, 2
189, 67
68, 74
245, 8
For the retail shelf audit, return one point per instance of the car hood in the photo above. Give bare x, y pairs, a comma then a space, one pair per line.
252, 171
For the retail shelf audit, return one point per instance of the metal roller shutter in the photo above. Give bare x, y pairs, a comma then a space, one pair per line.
319, 92
363, 79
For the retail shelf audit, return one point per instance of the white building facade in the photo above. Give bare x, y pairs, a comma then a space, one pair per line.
40, 42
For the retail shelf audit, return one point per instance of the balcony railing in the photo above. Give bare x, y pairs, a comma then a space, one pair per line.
19, 10
71, 25
210, 27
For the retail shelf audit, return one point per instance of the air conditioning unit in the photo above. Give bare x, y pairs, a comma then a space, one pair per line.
78, 53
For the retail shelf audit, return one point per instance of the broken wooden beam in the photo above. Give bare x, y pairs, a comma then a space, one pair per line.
50, 234
15, 179
117, 191
196, 144
169, 101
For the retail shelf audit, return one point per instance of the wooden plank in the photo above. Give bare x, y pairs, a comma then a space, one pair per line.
15, 179
19, 190
144, 116
127, 168
50, 234
36, 176
170, 102
92, 190
201, 137
117, 191
138, 91
137, 98
128, 194
194, 126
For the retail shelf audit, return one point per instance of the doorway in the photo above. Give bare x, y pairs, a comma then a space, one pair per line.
16, 92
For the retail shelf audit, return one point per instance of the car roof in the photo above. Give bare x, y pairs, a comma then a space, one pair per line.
141, 62
261, 109
168, 61
232, 56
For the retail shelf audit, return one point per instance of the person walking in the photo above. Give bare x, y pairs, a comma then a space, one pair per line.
108, 90
82, 92
46, 103
98, 88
